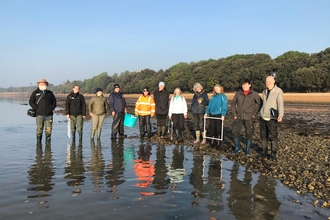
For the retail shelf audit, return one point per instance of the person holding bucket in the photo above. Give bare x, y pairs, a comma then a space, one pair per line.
118, 108
97, 108
178, 113
145, 108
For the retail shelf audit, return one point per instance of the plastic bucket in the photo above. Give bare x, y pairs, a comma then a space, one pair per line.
130, 120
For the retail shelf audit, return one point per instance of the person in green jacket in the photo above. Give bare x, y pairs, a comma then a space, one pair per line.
98, 107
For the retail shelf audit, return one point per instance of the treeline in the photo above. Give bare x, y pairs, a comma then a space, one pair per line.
295, 71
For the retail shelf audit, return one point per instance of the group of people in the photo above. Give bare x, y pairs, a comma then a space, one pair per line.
245, 107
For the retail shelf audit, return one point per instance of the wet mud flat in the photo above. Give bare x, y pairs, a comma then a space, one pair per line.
303, 155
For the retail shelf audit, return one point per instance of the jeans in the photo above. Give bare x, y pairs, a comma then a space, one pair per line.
144, 124
76, 122
44, 121
118, 124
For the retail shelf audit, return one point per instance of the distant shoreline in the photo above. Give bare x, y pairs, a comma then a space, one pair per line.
315, 98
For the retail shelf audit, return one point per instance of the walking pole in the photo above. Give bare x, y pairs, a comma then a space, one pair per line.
171, 129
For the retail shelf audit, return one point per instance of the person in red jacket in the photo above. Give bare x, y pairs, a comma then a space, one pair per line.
145, 108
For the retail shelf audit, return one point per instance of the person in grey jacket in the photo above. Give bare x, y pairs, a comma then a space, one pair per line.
245, 107
198, 106
272, 112
97, 107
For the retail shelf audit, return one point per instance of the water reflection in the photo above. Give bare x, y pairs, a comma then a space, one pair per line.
196, 175
266, 205
214, 186
160, 181
74, 168
240, 200
143, 167
96, 165
176, 170
41, 173
115, 170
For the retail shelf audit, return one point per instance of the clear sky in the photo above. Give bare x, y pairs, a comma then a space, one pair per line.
77, 39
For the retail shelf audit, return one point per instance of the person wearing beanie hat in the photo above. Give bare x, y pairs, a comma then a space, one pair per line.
145, 108
43, 102
118, 108
97, 108
161, 97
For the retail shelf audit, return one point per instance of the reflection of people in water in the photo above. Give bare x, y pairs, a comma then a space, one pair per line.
75, 166
96, 164
240, 194
196, 176
214, 186
143, 167
115, 170
41, 173
160, 181
176, 170
265, 205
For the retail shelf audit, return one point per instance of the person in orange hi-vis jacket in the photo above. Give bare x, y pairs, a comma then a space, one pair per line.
145, 109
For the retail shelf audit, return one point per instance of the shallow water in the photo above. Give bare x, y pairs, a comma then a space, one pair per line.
128, 179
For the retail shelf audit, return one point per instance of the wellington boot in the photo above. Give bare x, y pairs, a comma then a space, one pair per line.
238, 147
264, 144
158, 131
80, 137
48, 138
73, 136
93, 134
39, 138
182, 136
248, 146
163, 131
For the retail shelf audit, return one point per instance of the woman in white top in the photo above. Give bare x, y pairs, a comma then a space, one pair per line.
178, 113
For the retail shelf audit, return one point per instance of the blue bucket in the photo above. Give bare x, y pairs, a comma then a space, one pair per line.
130, 120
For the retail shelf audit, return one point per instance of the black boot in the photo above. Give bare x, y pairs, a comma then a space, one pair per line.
73, 136
177, 137
182, 136
274, 150
237, 144
80, 137
273, 156
264, 144
39, 138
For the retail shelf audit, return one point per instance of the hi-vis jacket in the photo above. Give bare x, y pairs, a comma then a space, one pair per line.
145, 105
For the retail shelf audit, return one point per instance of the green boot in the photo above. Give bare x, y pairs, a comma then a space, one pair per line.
80, 137
163, 131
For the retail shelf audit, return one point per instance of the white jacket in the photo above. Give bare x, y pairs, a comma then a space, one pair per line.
178, 106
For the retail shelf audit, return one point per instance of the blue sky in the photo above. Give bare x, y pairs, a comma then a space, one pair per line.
77, 39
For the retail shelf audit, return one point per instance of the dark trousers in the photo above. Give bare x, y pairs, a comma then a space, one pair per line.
237, 127
118, 124
178, 122
215, 125
268, 129
199, 122
144, 124
161, 119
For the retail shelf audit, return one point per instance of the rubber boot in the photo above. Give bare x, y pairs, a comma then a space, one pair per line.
237, 146
93, 134
177, 137
182, 136
248, 146
80, 137
264, 144
99, 134
274, 150
198, 134
39, 138
48, 138
204, 138
163, 131
158, 131
73, 136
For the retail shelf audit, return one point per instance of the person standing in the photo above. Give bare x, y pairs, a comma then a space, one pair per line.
199, 102
161, 97
145, 108
117, 106
218, 109
245, 107
76, 112
178, 113
43, 102
97, 108
272, 112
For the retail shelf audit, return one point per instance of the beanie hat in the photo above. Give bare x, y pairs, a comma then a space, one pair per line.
116, 86
98, 90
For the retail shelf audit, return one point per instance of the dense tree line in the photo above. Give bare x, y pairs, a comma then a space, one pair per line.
295, 71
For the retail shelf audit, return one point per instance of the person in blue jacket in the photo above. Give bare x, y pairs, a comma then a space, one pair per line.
117, 107
217, 108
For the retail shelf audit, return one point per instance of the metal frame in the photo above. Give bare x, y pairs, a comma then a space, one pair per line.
218, 139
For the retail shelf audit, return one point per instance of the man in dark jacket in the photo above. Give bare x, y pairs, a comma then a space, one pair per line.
245, 107
199, 102
43, 102
117, 107
76, 112
161, 97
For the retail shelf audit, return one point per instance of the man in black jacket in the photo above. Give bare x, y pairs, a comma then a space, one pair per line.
117, 107
245, 107
76, 112
161, 97
43, 102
